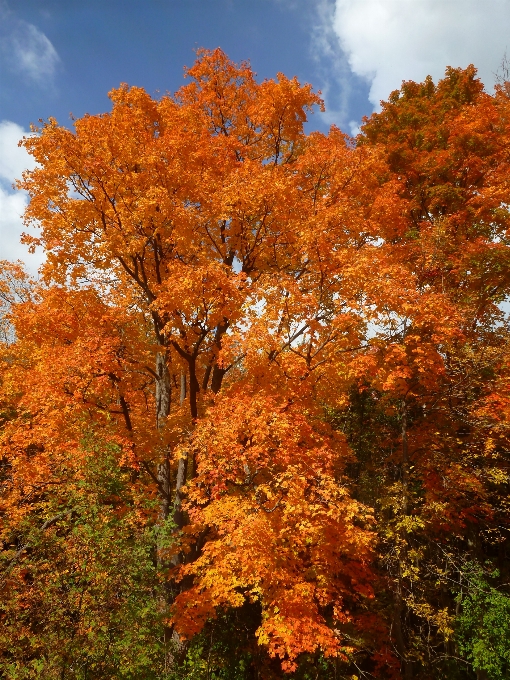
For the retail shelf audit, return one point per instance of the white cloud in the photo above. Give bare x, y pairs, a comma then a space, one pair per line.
13, 160
33, 52
25, 49
11, 209
387, 41
333, 67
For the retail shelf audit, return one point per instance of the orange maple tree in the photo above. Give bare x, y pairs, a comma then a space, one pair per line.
189, 251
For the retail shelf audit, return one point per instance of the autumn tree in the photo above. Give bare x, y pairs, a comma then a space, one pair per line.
192, 308
287, 356
434, 454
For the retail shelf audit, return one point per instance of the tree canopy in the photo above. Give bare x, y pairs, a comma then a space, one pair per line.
254, 413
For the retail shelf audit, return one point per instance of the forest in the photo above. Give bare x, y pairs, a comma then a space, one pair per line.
255, 410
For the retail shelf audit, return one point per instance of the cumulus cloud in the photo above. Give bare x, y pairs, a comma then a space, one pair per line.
342, 91
13, 160
388, 41
332, 65
25, 49
11, 209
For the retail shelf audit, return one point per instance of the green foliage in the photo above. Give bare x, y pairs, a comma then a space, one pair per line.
483, 626
80, 600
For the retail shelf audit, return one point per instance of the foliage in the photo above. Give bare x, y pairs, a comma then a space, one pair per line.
78, 588
290, 355
483, 627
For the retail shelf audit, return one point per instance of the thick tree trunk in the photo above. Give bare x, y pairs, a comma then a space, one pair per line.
183, 388
163, 390
182, 474
217, 379
182, 470
407, 667
163, 400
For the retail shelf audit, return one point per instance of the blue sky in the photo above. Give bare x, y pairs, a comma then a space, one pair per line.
100, 43
62, 56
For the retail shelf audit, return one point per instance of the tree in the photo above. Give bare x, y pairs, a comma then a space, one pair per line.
442, 341
168, 226
291, 348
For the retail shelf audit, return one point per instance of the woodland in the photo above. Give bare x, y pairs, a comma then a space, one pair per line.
255, 410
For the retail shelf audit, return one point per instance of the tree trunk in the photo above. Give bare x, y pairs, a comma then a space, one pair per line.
405, 461
407, 667
163, 400
182, 470
183, 388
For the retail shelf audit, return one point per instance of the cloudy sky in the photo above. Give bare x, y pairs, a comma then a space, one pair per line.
62, 56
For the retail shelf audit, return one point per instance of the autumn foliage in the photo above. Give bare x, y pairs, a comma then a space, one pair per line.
270, 370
